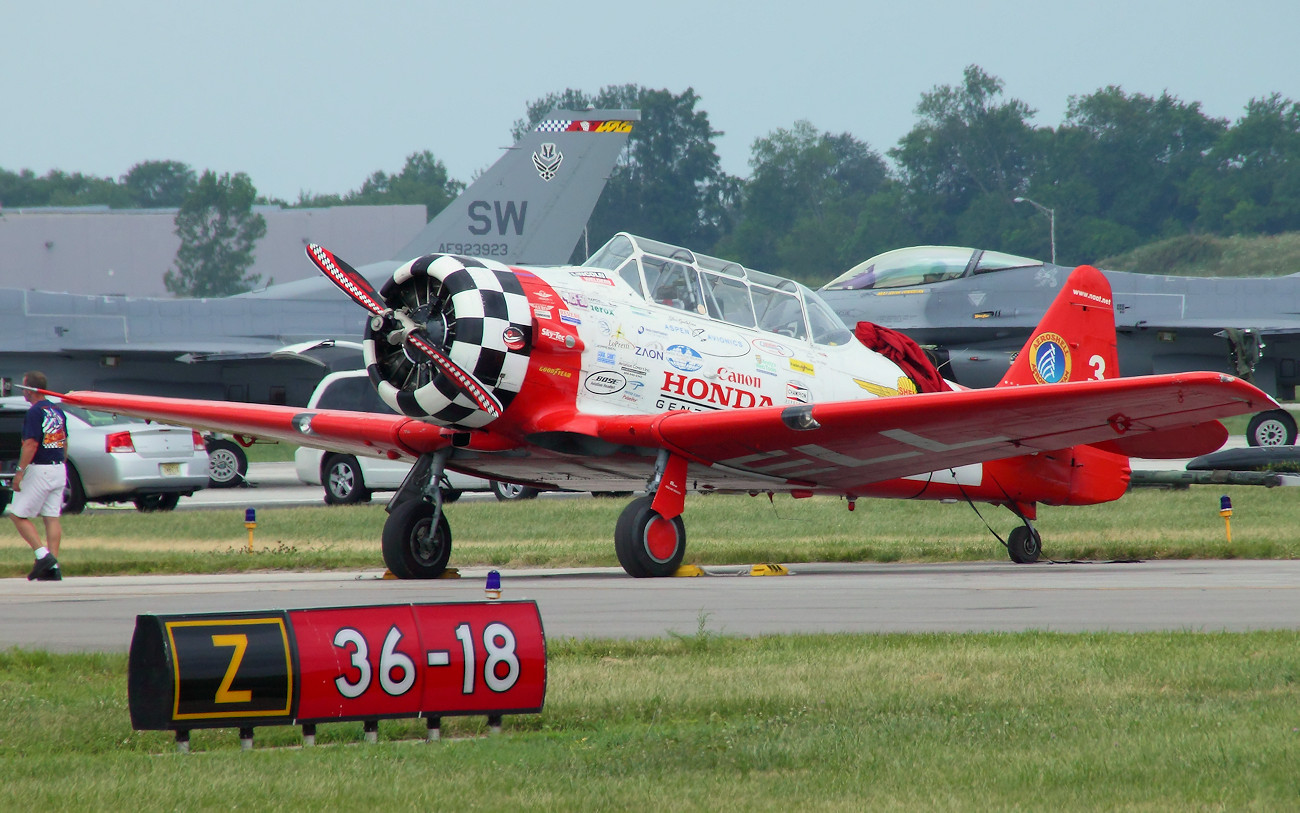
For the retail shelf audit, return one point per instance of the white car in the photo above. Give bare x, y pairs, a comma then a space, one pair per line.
351, 479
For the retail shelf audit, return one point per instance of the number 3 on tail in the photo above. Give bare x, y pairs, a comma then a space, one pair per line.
1098, 365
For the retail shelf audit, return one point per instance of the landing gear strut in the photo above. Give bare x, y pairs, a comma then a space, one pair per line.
417, 537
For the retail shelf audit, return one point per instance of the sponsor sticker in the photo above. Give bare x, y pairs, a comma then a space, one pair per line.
605, 382
683, 358
797, 393
570, 318
513, 338
606, 358
804, 367
541, 313
772, 348
1050, 357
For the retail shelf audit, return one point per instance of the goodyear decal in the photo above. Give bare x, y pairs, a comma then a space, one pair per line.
1050, 358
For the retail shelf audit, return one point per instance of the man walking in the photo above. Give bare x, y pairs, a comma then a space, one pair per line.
38, 485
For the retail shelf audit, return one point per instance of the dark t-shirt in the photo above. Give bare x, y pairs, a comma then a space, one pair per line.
46, 424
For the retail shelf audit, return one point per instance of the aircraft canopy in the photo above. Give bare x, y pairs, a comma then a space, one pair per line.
923, 265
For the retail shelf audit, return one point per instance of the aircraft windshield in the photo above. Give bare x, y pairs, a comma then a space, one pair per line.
923, 265
719, 289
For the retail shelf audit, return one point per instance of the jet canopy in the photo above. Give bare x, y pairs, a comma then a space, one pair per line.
923, 265
679, 278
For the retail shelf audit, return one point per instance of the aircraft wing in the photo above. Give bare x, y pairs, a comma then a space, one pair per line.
845, 444
366, 433
836, 445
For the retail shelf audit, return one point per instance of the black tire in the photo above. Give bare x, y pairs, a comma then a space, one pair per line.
156, 502
227, 464
450, 494
620, 495
74, 494
341, 476
1273, 428
6, 497
413, 547
509, 492
647, 545
1024, 545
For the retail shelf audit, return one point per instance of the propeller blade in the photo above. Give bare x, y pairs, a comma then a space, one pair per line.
347, 278
464, 381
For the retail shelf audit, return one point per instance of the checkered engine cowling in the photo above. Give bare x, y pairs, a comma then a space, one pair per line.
481, 300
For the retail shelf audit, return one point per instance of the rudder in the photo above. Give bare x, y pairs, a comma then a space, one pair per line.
1075, 340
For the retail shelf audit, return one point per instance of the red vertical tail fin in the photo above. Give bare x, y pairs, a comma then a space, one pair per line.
1075, 340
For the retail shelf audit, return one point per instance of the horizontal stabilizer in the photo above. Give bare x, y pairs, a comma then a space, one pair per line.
1170, 444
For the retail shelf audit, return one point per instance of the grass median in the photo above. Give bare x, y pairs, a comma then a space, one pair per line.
842, 722
721, 529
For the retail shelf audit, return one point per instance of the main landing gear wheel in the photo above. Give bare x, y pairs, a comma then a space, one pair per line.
1273, 428
227, 464
414, 546
1024, 545
647, 544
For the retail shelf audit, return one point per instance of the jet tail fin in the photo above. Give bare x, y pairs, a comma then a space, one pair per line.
532, 205
1075, 340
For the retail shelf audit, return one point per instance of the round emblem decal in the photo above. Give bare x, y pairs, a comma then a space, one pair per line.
1051, 358
513, 338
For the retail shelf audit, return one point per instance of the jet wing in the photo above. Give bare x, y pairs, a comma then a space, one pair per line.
847, 444
366, 433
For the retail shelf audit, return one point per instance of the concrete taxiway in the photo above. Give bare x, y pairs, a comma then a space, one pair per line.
98, 613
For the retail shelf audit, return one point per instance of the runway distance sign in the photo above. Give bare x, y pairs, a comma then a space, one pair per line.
338, 663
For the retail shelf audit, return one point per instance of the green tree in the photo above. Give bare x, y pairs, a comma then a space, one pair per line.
218, 230
1130, 159
968, 144
423, 180
806, 191
158, 184
1252, 181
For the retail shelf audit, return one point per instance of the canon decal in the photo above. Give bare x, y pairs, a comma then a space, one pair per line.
605, 382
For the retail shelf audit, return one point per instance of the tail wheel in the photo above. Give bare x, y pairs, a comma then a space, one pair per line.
647, 543
1024, 545
415, 547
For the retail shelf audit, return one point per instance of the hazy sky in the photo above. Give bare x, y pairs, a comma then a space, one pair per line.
315, 96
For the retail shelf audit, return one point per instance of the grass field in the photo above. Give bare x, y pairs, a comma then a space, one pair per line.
846, 722
1144, 524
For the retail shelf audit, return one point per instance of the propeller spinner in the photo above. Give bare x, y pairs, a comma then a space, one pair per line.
411, 332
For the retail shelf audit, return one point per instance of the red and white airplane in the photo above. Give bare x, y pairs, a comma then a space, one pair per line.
653, 368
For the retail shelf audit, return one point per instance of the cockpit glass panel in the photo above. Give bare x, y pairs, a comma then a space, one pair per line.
905, 268
827, 327
631, 274
997, 261
728, 300
675, 285
612, 254
779, 312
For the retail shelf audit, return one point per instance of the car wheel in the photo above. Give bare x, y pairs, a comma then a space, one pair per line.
344, 485
507, 492
74, 494
157, 502
227, 464
6, 497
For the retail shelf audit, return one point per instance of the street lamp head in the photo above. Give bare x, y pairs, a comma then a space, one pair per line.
1017, 200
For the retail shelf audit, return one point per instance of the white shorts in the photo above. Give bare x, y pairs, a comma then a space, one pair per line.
41, 493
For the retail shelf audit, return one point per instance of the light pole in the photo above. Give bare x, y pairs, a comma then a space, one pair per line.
1051, 219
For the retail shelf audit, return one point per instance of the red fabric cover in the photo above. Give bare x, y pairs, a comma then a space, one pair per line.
904, 352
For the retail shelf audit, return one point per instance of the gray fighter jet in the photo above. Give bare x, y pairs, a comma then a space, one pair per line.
974, 309
274, 345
